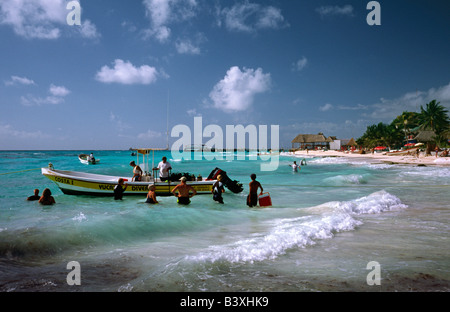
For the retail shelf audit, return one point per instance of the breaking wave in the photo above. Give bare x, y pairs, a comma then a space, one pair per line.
324, 222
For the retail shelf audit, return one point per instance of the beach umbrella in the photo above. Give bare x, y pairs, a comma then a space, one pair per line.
378, 148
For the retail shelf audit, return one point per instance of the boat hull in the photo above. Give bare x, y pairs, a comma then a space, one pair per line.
84, 159
78, 183
401, 153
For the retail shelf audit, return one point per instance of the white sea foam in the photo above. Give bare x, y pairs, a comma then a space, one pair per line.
346, 179
442, 161
427, 172
80, 217
380, 166
285, 234
337, 160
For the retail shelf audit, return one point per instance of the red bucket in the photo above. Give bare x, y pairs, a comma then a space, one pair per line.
265, 200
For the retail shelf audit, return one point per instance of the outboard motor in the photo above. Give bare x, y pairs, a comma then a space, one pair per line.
232, 185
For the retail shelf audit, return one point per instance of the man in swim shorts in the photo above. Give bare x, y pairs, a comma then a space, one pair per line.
252, 198
184, 192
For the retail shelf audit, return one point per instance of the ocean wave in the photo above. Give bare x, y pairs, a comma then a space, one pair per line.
324, 222
380, 166
337, 161
346, 179
433, 172
442, 161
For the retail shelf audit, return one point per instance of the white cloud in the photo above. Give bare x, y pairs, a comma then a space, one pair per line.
162, 13
57, 97
15, 80
193, 112
185, 46
58, 91
88, 30
326, 107
126, 73
250, 17
31, 100
236, 91
389, 109
357, 107
41, 19
335, 10
300, 64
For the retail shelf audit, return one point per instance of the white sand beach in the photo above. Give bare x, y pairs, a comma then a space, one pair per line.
382, 157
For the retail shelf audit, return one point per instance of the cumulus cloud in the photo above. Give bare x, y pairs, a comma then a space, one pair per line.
328, 10
237, 90
88, 30
60, 91
16, 80
124, 72
250, 17
162, 13
41, 19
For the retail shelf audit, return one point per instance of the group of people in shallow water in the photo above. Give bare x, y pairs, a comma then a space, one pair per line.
184, 192
45, 199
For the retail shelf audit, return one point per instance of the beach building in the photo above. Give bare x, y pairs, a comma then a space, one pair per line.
339, 144
311, 141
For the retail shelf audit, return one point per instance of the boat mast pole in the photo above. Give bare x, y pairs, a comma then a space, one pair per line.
167, 122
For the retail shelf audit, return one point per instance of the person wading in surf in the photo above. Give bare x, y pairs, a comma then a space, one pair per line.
184, 192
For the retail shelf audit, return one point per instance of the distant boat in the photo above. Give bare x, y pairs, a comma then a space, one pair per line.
84, 159
197, 148
403, 152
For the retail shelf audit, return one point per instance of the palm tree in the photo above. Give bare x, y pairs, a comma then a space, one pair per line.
434, 117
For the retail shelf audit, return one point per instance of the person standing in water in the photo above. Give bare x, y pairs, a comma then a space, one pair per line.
47, 198
295, 167
184, 192
218, 189
119, 189
35, 196
252, 198
151, 195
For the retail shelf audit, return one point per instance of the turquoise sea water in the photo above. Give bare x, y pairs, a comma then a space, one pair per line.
327, 222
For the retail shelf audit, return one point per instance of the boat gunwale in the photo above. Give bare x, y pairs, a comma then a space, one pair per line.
109, 179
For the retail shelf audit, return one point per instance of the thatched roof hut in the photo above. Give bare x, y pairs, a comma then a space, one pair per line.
351, 142
312, 140
425, 136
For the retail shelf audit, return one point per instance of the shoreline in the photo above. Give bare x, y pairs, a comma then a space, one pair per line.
405, 160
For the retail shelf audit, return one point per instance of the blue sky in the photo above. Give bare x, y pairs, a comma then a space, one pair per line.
307, 66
